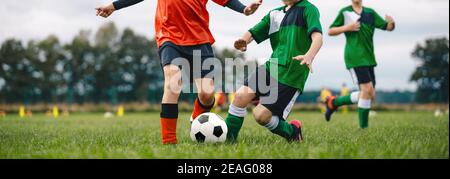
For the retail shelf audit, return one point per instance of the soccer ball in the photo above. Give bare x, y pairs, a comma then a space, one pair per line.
209, 128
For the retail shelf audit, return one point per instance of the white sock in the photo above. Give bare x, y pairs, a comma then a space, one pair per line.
365, 103
355, 97
273, 123
237, 111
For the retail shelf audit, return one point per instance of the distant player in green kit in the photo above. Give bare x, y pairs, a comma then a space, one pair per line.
358, 23
295, 35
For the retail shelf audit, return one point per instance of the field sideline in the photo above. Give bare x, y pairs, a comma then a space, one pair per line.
401, 135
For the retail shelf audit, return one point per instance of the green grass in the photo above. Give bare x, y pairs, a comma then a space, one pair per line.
391, 135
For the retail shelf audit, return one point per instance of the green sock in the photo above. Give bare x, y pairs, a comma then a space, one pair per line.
234, 125
284, 129
363, 118
343, 100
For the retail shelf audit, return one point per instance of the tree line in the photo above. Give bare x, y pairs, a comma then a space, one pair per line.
111, 66
121, 66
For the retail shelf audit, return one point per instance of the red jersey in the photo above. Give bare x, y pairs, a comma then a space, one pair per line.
184, 22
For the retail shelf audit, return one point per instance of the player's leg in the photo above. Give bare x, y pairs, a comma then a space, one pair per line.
273, 111
205, 101
332, 103
169, 104
241, 99
291, 131
367, 86
365, 104
237, 111
346, 100
204, 83
172, 90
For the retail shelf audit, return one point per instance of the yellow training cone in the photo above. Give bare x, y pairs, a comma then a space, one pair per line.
55, 111
22, 111
120, 111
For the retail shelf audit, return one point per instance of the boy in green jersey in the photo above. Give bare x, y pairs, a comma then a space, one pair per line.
358, 23
295, 35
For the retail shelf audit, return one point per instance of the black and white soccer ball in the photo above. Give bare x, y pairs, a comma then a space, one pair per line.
209, 128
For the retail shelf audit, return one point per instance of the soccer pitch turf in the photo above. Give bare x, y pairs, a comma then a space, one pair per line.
137, 135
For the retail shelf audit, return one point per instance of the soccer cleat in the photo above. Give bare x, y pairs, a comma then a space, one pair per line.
330, 107
297, 135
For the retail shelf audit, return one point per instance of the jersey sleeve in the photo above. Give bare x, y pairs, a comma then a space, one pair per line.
380, 23
260, 32
312, 17
120, 4
221, 2
236, 5
339, 21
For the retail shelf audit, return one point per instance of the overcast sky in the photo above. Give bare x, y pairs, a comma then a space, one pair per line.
416, 20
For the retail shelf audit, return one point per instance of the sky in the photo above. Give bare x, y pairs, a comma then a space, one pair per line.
416, 21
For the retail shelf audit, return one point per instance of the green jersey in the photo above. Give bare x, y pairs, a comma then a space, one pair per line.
289, 32
359, 50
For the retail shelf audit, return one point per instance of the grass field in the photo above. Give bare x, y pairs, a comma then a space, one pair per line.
391, 135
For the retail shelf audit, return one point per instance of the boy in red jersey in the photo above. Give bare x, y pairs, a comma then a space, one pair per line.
182, 27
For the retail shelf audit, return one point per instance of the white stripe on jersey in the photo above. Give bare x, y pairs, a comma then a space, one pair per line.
276, 17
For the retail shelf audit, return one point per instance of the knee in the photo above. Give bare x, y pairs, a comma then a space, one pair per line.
368, 91
240, 99
205, 96
172, 89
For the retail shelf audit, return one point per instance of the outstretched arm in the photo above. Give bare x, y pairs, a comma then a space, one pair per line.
237, 6
241, 44
106, 11
119, 4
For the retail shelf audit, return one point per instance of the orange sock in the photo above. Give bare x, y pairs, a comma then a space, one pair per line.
199, 108
169, 131
169, 118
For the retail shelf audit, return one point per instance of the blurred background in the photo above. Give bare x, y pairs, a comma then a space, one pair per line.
58, 53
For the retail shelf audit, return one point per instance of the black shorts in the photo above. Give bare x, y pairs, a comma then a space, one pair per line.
169, 52
282, 102
365, 75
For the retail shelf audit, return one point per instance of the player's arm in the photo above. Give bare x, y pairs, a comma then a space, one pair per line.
107, 10
352, 27
241, 44
312, 17
237, 6
339, 27
259, 33
386, 23
316, 45
390, 23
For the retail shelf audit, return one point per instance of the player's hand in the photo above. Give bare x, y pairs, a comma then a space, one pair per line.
305, 60
354, 27
389, 19
105, 11
251, 9
241, 45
